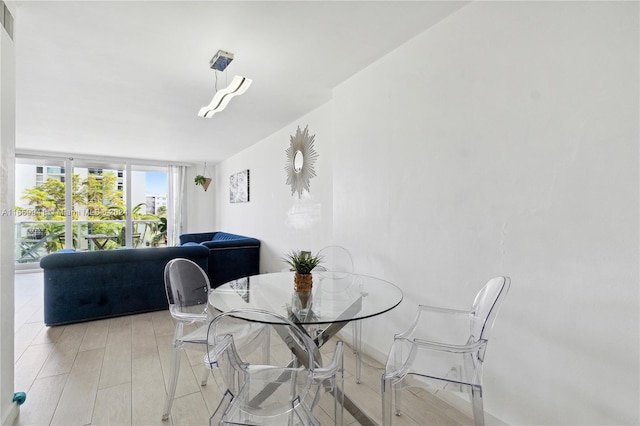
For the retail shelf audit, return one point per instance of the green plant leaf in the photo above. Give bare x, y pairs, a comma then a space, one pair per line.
302, 261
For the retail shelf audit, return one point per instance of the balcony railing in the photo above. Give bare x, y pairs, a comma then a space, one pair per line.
35, 239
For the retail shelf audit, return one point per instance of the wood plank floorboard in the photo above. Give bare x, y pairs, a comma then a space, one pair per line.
116, 368
76, 403
113, 406
116, 372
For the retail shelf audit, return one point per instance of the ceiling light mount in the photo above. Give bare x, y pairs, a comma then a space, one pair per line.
220, 60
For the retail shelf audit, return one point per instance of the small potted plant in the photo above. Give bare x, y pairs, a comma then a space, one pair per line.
303, 263
201, 180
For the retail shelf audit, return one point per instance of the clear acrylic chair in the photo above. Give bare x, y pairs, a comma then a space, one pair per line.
444, 348
280, 392
187, 287
336, 260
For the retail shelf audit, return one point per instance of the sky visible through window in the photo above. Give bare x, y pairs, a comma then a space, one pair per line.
156, 183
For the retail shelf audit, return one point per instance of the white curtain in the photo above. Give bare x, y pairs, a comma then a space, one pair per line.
175, 203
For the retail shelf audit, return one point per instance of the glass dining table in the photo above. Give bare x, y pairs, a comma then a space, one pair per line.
336, 299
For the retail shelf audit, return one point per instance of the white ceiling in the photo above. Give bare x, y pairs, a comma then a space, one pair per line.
126, 79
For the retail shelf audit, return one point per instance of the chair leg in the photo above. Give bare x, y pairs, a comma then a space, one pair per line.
387, 396
173, 382
338, 407
221, 410
357, 347
306, 418
266, 347
478, 408
205, 375
397, 396
396, 385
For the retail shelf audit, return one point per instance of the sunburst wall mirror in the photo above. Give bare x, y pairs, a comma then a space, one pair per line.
301, 156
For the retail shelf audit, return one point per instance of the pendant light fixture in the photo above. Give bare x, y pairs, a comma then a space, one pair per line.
222, 97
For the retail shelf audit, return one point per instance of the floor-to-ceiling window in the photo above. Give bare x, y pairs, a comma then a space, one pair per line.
87, 204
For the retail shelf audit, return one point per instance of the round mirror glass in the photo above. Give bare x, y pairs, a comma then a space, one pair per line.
298, 161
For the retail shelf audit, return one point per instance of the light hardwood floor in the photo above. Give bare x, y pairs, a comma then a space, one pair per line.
115, 372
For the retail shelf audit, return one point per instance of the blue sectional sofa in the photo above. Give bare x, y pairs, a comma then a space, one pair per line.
83, 286
231, 256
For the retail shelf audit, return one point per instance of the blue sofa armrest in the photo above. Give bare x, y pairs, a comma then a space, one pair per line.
218, 239
231, 256
232, 243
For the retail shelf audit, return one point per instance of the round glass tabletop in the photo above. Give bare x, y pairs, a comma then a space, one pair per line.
335, 297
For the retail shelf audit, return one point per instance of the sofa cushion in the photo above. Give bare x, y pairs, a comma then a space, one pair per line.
198, 237
69, 250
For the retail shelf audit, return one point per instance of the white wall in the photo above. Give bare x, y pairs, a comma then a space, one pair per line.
280, 220
200, 214
504, 140
8, 409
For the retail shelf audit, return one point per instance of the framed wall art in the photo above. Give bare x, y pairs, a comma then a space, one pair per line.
239, 187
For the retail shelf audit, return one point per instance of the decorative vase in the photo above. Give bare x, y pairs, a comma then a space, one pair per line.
303, 298
302, 282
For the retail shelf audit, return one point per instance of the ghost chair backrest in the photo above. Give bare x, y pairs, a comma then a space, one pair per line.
187, 286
